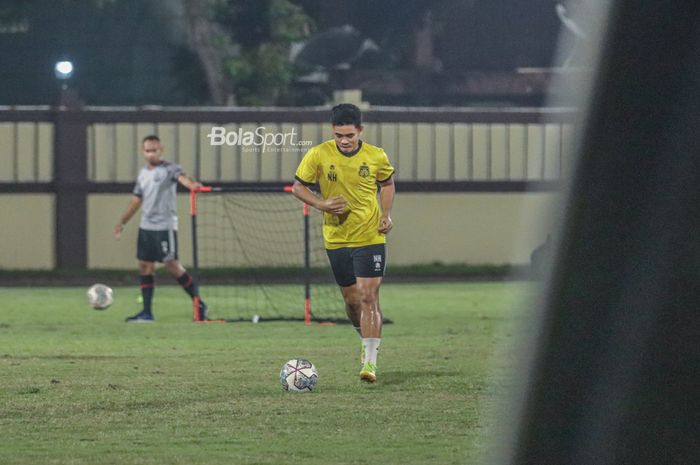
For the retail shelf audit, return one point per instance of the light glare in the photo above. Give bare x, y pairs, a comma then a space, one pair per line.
64, 69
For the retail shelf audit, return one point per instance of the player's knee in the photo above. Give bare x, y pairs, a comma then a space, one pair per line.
350, 295
146, 267
367, 295
174, 267
352, 300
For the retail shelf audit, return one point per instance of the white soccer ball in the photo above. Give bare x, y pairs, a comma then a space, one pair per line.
298, 375
100, 296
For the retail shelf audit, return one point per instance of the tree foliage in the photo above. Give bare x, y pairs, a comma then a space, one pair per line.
264, 31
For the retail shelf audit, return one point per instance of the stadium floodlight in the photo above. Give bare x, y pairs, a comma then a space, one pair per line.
63, 70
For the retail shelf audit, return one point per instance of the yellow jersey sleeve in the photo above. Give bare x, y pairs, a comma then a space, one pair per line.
307, 171
385, 170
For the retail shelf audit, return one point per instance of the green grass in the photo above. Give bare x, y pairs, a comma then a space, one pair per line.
82, 387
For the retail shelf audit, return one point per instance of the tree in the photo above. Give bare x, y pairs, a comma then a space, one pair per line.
243, 47
212, 45
261, 72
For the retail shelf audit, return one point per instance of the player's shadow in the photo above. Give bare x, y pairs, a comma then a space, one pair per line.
400, 377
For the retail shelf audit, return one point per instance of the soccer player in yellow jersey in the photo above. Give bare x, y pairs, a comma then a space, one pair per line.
355, 224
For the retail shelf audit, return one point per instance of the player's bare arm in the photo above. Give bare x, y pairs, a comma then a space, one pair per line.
335, 205
132, 208
188, 182
386, 201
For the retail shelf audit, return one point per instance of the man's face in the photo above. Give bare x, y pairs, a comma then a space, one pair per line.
152, 150
347, 137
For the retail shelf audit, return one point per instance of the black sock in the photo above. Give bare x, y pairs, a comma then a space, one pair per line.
147, 289
187, 283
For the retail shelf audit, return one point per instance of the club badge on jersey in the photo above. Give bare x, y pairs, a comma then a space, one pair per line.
364, 170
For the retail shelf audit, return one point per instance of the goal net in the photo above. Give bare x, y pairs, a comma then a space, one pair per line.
258, 255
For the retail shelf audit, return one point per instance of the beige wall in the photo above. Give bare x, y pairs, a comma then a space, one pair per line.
472, 228
476, 151
27, 232
104, 251
462, 151
468, 228
450, 228
26, 152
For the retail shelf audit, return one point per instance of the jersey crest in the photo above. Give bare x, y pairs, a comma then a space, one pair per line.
364, 170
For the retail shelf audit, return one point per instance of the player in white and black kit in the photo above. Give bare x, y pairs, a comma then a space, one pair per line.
155, 193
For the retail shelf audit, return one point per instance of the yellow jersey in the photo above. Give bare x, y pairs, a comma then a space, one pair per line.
354, 178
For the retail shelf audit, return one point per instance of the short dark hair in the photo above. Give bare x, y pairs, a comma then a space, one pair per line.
346, 113
152, 137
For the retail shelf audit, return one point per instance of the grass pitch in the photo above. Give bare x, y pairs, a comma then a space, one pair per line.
80, 386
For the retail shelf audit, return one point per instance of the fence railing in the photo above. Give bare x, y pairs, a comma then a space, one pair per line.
425, 145
72, 152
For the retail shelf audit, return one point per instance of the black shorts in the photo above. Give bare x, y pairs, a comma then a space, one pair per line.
157, 246
349, 263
